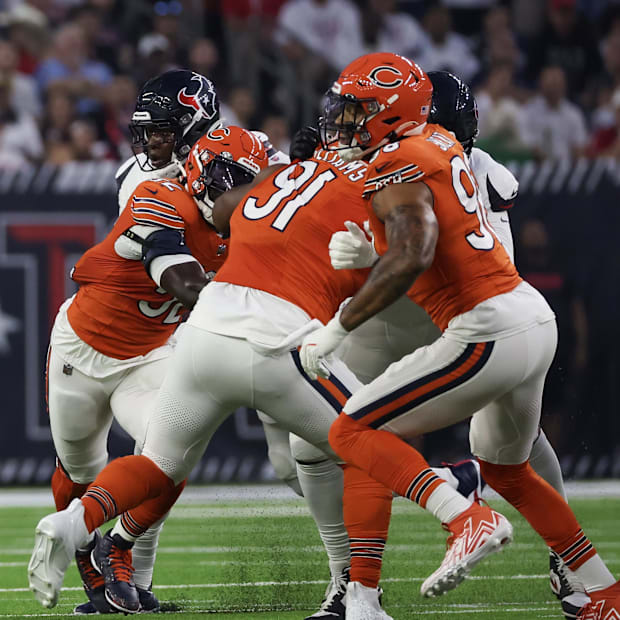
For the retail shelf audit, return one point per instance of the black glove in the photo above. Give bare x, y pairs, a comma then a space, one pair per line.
304, 143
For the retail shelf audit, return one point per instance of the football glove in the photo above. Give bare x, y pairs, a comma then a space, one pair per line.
318, 345
351, 248
304, 143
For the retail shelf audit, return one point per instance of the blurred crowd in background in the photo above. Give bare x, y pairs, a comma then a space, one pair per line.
546, 73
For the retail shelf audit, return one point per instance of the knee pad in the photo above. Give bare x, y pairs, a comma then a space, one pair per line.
304, 452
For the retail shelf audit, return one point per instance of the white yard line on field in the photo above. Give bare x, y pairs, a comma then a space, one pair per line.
10, 497
268, 584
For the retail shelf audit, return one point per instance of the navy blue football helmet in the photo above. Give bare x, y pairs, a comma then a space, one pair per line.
454, 107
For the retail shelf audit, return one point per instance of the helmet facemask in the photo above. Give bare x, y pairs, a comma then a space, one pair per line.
342, 127
218, 174
155, 139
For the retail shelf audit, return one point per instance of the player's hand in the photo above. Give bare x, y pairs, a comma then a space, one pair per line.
304, 143
351, 248
318, 345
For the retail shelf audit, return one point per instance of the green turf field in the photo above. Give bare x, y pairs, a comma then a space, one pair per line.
263, 560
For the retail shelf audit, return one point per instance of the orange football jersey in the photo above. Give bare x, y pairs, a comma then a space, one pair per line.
118, 309
281, 229
470, 264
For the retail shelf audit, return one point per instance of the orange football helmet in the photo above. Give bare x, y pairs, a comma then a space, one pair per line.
224, 158
377, 98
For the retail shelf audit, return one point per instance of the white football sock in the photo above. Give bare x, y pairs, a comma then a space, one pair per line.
544, 462
322, 485
122, 532
594, 574
446, 504
144, 553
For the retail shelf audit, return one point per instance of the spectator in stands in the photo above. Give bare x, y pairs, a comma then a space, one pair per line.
239, 108
604, 116
445, 49
249, 27
23, 88
553, 127
326, 29
20, 141
276, 127
154, 57
28, 32
104, 35
69, 68
606, 141
387, 30
84, 144
497, 42
566, 41
119, 105
167, 22
501, 116
467, 14
204, 58
57, 118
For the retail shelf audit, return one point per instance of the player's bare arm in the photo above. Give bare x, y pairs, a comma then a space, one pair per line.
185, 281
228, 201
411, 232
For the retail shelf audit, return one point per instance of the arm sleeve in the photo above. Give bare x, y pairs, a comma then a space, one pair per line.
164, 242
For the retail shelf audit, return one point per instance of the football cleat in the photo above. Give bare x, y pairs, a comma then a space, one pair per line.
475, 534
604, 605
364, 603
92, 580
148, 601
112, 558
566, 587
148, 605
333, 603
57, 537
469, 478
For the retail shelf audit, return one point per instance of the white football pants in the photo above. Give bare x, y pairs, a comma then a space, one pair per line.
211, 375
82, 408
499, 383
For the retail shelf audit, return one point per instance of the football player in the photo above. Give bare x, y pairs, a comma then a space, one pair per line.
498, 333
110, 342
277, 284
403, 327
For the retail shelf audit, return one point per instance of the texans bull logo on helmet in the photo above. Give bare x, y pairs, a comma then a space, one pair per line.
203, 100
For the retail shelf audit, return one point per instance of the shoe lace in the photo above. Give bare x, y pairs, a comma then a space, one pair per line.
120, 562
91, 578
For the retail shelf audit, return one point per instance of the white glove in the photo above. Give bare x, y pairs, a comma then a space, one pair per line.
319, 344
351, 248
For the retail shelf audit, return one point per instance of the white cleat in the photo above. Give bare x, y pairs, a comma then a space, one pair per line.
475, 534
57, 536
362, 603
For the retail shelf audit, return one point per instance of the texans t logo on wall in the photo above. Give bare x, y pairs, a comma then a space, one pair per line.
37, 251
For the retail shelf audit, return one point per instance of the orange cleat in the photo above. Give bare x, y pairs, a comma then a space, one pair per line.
478, 532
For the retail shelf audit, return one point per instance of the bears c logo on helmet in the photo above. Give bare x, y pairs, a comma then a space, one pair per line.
395, 81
